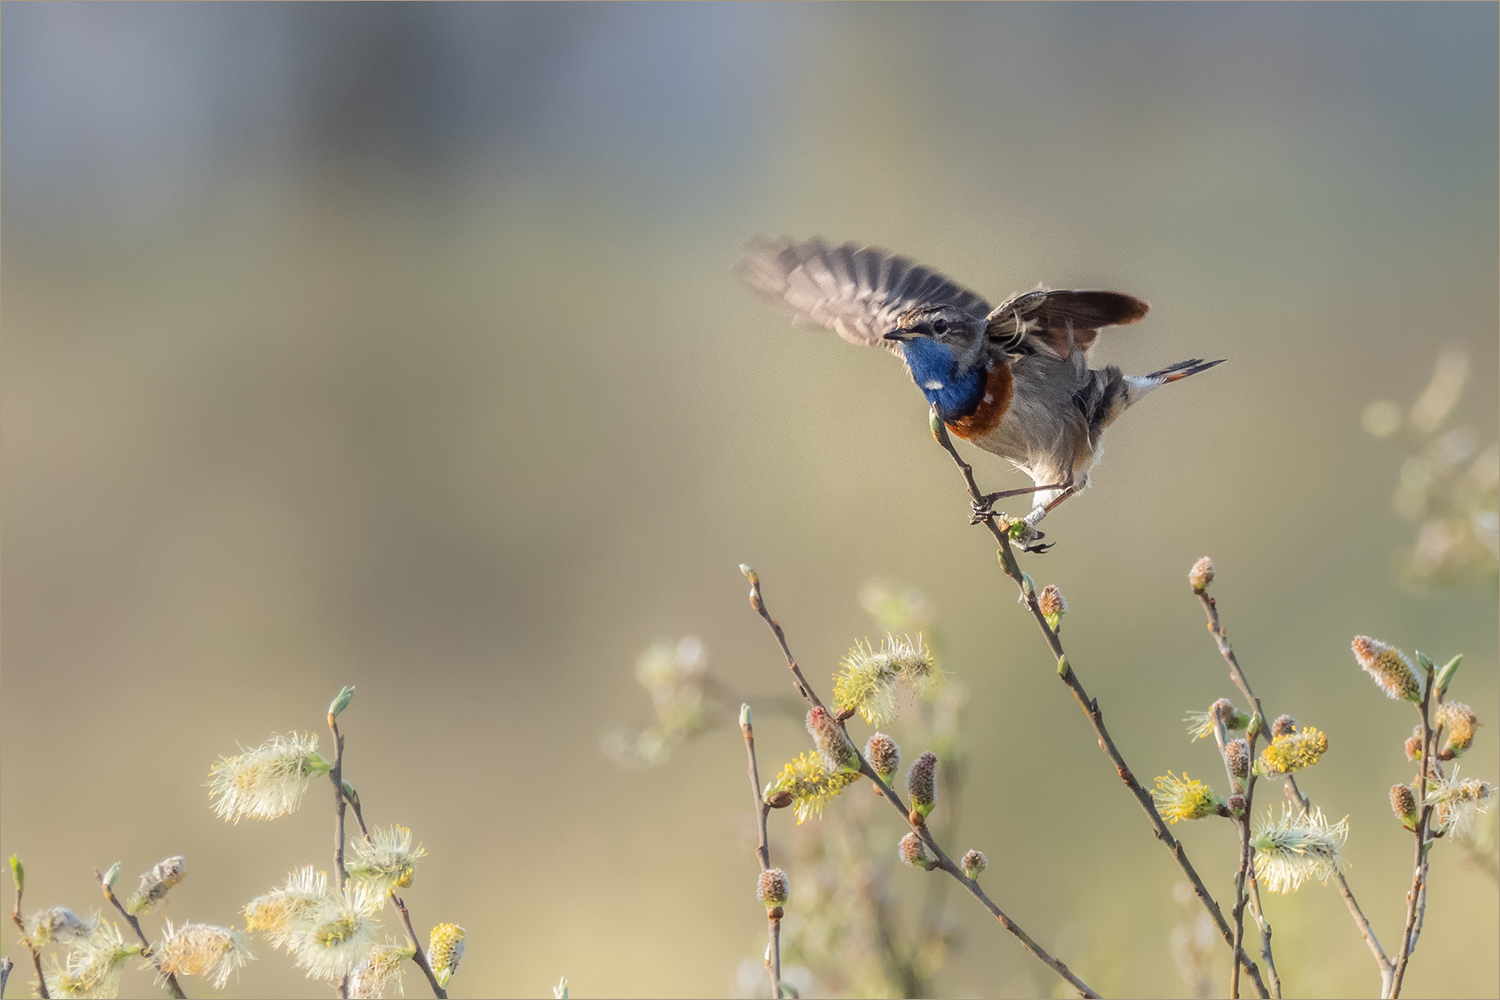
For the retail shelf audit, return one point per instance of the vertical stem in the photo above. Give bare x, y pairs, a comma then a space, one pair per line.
763, 854
36, 955
1415, 895
1265, 935
336, 775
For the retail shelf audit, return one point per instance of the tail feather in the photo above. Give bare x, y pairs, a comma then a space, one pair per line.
1181, 369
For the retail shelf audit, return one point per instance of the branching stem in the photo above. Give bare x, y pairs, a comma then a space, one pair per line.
418, 955
1091, 710
173, 987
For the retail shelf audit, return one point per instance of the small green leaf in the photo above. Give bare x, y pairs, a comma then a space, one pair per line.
110, 876
341, 702
18, 873
1062, 666
1423, 661
1446, 674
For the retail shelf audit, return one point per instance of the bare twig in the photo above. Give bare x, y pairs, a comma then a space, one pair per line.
173, 987
913, 819
1094, 714
1265, 936
763, 854
418, 955
1237, 675
36, 954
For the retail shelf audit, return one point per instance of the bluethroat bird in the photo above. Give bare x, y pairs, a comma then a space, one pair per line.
1013, 379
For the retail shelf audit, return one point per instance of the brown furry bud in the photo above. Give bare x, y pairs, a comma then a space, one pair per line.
833, 744
921, 783
772, 888
1237, 805
1237, 758
1201, 575
1053, 605
1414, 744
914, 852
1404, 804
1052, 601
974, 863
883, 754
780, 800
1284, 725
156, 883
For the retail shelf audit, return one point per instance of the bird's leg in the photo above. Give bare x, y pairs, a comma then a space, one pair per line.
984, 506
1070, 488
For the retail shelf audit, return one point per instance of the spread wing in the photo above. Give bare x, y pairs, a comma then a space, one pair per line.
857, 292
1059, 321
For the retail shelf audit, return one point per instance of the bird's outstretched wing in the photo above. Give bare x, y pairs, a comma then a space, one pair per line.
1059, 321
857, 292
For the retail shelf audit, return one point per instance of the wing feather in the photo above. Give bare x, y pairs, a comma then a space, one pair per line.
1060, 321
858, 292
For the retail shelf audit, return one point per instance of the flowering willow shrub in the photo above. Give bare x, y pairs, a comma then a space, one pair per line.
1283, 850
331, 927
836, 942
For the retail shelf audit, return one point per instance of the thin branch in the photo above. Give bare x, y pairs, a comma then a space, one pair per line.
1253, 731
1237, 675
336, 775
763, 854
36, 954
913, 819
1265, 936
1416, 895
173, 987
1095, 716
418, 955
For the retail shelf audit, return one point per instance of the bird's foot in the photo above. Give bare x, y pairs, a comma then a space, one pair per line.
983, 509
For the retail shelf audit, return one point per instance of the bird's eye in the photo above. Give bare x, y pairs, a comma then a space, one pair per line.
941, 326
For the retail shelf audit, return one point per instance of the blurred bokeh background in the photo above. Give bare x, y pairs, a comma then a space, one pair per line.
397, 346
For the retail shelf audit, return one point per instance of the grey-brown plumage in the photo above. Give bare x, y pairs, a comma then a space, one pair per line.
1013, 379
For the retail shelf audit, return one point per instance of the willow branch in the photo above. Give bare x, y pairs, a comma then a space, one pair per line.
36, 954
912, 818
1093, 713
418, 955
763, 855
173, 987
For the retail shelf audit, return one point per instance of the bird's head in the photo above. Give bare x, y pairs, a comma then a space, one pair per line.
950, 326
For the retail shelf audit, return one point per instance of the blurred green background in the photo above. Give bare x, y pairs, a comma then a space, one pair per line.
397, 345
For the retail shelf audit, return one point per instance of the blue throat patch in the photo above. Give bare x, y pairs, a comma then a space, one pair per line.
932, 367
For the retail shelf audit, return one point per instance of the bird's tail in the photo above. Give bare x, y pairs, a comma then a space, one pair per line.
1137, 386
1181, 369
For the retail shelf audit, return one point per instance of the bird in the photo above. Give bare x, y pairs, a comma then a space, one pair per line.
1012, 379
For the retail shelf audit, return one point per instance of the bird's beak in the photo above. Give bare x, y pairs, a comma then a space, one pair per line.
901, 335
